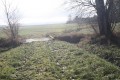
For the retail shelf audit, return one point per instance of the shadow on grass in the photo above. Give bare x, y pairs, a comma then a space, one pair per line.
70, 38
6, 44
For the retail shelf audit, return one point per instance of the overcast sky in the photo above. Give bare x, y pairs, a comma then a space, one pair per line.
39, 11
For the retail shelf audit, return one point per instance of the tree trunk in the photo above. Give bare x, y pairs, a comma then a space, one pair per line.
100, 12
103, 21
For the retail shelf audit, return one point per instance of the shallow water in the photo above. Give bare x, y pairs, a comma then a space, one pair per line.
36, 39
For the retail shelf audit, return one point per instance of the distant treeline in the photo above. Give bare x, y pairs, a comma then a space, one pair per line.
83, 20
87, 20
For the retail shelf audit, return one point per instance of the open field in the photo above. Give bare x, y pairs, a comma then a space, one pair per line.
44, 29
59, 60
40, 30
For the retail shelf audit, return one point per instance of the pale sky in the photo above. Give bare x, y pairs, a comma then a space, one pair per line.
39, 11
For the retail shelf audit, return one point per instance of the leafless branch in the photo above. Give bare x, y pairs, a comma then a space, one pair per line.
12, 20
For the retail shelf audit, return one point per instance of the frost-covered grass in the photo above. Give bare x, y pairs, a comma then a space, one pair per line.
54, 60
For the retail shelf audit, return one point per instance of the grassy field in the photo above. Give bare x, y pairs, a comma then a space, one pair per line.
58, 60
44, 29
41, 30
54, 61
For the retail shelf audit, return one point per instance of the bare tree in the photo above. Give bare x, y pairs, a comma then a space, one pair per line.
12, 18
103, 9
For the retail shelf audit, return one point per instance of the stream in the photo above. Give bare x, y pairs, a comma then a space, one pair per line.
37, 39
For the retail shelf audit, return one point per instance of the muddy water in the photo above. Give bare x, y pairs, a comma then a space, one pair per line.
37, 39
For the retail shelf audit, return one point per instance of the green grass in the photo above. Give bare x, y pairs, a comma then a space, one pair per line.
110, 53
41, 30
44, 29
53, 61
56, 60
2, 34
